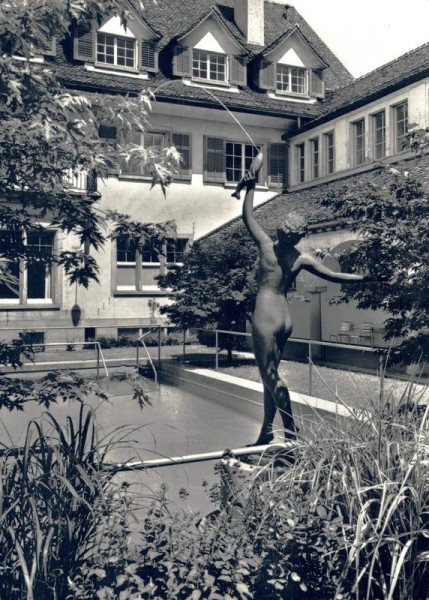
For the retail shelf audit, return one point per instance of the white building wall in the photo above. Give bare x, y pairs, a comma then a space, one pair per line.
417, 96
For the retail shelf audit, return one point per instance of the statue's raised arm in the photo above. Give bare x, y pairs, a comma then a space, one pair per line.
249, 182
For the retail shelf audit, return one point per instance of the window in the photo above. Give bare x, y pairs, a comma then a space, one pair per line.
315, 158
238, 159
300, 162
358, 142
401, 126
175, 249
330, 153
379, 134
33, 278
116, 51
291, 79
208, 66
150, 140
137, 271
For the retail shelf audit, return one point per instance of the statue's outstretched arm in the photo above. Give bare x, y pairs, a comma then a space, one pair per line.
309, 263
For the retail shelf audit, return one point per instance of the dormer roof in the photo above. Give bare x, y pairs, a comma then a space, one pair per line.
224, 23
294, 31
141, 17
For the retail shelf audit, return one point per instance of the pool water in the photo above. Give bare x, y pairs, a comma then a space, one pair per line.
177, 423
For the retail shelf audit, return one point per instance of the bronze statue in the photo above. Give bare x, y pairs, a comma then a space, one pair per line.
280, 263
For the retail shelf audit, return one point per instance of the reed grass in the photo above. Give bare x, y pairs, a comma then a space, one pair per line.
54, 498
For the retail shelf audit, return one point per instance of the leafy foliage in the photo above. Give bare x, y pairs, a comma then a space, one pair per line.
391, 216
49, 134
216, 285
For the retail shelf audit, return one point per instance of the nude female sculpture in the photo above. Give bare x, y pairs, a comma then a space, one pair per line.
279, 264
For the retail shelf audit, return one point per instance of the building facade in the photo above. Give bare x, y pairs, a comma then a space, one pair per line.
290, 97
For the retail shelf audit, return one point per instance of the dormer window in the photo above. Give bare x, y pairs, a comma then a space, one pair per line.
291, 79
209, 54
116, 51
290, 67
209, 66
132, 49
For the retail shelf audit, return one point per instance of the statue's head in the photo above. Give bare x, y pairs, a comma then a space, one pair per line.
293, 229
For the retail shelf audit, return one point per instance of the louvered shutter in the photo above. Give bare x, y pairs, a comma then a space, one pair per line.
238, 73
277, 165
148, 56
83, 45
182, 141
214, 160
182, 61
267, 75
317, 85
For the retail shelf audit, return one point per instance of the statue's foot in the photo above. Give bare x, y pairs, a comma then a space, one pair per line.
262, 440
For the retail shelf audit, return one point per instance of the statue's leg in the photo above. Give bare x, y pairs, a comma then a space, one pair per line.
283, 403
266, 435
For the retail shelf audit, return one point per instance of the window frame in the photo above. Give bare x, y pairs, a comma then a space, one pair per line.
245, 160
126, 168
396, 122
209, 57
23, 266
300, 162
115, 65
315, 154
359, 142
290, 76
139, 264
329, 151
375, 130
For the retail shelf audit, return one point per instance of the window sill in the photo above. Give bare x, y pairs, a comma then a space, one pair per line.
139, 293
35, 306
136, 177
260, 187
116, 70
211, 85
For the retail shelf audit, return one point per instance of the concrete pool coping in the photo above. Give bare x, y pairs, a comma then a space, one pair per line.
246, 396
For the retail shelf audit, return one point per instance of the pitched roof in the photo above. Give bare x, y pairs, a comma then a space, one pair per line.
408, 68
307, 203
268, 49
175, 91
173, 19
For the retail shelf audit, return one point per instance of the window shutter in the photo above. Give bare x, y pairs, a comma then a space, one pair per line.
148, 56
182, 141
267, 75
238, 73
277, 165
317, 85
83, 45
214, 160
182, 61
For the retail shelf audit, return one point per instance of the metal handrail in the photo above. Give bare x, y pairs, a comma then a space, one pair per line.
309, 343
141, 339
193, 458
95, 343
